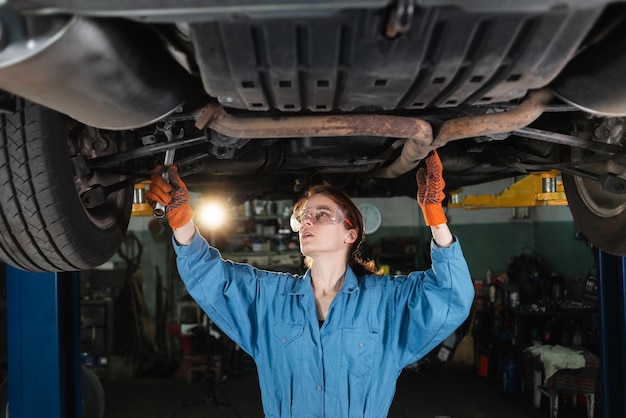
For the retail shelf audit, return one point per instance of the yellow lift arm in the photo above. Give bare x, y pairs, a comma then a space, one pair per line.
140, 206
536, 189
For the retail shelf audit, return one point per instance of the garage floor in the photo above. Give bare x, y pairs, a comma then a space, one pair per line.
443, 394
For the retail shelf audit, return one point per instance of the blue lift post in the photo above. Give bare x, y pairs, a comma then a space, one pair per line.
612, 312
43, 324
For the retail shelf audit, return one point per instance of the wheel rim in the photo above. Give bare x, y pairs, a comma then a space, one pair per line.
600, 202
89, 144
103, 216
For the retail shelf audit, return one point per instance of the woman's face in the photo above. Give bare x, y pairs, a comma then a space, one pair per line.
322, 228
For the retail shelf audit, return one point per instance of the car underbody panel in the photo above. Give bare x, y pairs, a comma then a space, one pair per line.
345, 63
263, 98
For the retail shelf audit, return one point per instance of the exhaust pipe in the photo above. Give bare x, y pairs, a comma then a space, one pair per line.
469, 127
215, 117
417, 132
99, 72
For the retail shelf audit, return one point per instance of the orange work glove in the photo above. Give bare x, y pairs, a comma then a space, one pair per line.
430, 194
173, 195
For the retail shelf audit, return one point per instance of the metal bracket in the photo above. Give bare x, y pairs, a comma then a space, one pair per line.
569, 140
610, 181
146, 151
98, 194
400, 18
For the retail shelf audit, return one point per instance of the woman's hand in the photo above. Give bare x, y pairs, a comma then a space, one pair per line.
430, 194
175, 197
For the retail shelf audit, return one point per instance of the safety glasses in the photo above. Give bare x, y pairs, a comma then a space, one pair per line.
318, 215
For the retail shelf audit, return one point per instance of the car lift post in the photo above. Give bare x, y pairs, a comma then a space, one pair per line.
612, 313
43, 323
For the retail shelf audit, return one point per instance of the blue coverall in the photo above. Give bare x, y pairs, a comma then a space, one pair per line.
348, 367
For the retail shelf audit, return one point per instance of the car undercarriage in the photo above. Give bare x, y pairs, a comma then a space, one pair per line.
261, 99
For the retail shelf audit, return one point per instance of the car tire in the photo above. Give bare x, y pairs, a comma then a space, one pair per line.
43, 224
599, 215
93, 395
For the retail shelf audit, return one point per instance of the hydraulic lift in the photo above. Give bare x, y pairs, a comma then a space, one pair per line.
43, 325
612, 312
44, 341
543, 188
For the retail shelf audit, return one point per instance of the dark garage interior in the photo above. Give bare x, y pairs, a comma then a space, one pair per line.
155, 353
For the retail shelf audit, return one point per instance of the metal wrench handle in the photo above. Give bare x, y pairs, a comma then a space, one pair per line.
159, 209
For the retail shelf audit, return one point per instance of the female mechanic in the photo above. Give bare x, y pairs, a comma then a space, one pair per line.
331, 342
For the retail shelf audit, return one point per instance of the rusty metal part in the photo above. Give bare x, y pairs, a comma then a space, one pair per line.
494, 123
208, 114
417, 132
467, 127
412, 153
217, 119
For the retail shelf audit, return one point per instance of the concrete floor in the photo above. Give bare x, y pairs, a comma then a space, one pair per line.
440, 394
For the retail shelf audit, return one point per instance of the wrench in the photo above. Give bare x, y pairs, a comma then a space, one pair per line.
159, 209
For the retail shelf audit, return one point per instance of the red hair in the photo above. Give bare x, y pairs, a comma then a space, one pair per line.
354, 221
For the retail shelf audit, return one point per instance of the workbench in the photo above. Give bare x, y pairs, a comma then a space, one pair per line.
558, 370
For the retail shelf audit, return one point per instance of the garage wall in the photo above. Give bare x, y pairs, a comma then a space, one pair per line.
490, 237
